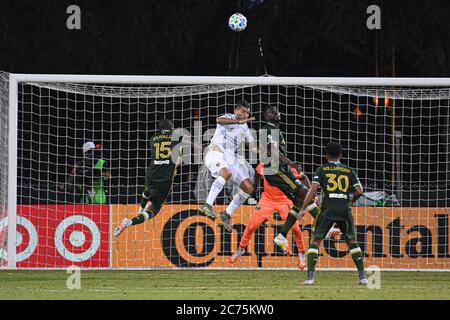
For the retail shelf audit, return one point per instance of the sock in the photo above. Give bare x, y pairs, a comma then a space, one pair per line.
144, 202
216, 187
290, 220
313, 256
239, 198
357, 257
314, 212
146, 215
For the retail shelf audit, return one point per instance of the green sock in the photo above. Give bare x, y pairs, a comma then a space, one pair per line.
314, 212
357, 257
313, 256
290, 220
143, 202
147, 215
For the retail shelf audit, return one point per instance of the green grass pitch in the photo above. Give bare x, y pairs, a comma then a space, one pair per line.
220, 284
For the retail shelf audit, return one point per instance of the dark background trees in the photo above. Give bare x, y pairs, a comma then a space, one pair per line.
300, 38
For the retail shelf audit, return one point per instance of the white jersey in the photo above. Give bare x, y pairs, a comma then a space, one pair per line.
228, 137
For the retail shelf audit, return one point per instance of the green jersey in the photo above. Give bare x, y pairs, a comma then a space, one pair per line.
89, 178
165, 156
337, 181
274, 134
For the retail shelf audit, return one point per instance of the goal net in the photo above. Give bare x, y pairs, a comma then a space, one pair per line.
395, 137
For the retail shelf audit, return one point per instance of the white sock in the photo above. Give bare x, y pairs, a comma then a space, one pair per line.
216, 187
238, 199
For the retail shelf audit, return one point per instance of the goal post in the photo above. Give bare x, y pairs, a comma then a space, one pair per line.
394, 132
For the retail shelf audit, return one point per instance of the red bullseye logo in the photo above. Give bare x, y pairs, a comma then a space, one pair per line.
77, 238
26, 238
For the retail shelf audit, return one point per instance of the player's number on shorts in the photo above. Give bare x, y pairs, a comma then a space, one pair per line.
340, 183
163, 150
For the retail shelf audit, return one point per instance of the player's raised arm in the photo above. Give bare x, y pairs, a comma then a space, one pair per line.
225, 120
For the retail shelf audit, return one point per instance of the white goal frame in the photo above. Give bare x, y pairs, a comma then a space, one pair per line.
15, 79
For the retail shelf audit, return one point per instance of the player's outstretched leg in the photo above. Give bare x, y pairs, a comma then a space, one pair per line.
121, 228
146, 212
140, 218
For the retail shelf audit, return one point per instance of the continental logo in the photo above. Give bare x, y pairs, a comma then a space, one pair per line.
179, 236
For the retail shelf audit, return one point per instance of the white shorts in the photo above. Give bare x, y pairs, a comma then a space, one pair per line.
215, 161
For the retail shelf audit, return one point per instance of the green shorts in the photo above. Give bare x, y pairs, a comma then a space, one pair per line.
322, 224
157, 192
286, 182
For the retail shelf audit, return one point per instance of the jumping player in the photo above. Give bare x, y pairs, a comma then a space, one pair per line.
284, 178
164, 160
221, 161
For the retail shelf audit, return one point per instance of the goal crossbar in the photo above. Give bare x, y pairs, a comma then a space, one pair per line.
189, 80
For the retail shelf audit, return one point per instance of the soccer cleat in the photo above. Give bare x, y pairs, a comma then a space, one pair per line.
283, 243
236, 256
308, 282
301, 264
226, 219
123, 225
363, 282
334, 233
208, 211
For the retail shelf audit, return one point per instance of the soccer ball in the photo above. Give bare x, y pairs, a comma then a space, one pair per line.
237, 22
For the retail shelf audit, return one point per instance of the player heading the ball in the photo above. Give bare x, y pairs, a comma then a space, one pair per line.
224, 164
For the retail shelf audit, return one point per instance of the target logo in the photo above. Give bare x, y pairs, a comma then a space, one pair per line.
26, 238
77, 238
62, 235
